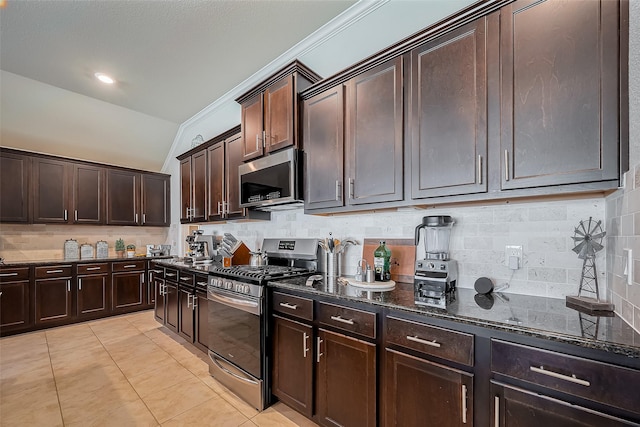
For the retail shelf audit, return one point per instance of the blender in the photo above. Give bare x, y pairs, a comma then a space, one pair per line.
436, 275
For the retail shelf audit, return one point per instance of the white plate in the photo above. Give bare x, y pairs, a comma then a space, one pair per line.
374, 286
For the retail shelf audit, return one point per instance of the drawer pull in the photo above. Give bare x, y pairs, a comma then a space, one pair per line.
130, 266
185, 279
54, 271
305, 347
289, 306
157, 271
464, 404
170, 274
202, 283
93, 268
571, 378
8, 274
421, 341
341, 320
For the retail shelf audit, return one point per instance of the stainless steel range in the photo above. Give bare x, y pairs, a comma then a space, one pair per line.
238, 328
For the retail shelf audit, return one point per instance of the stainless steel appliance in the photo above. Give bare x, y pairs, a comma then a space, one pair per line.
272, 182
435, 277
203, 248
238, 327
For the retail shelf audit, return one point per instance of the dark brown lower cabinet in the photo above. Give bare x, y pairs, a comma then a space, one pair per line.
93, 296
345, 381
171, 304
53, 301
128, 290
14, 299
293, 364
419, 392
159, 299
201, 334
514, 406
186, 327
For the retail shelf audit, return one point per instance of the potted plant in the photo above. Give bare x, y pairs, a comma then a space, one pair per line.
120, 248
131, 250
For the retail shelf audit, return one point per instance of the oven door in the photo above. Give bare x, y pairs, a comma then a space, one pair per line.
235, 329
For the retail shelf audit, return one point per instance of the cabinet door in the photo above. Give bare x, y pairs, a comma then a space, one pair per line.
233, 158
160, 307
559, 90
418, 392
14, 305
156, 209
53, 301
185, 314
186, 190
293, 364
15, 172
513, 406
323, 133
128, 291
171, 306
448, 122
51, 183
199, 183
123, 190
252, 134
88, 194
93, 296
346, 380
374, 140
201, 333
279, 114
215, 155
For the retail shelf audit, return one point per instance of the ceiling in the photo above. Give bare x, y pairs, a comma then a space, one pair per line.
171, 60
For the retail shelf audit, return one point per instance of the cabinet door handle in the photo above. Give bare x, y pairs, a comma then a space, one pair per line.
479, 169
572, 378
129, 266
318, 342
264, 139
136, 218
68, 285
8, 274
305, 347
351, 191
65, 215
421, 341
80, 284
342, 320
219, 208
93, 268
225, 207
289, 306
258, 140
54, 271
161, 289
194, 302
496, 411
188, 300
338, 190
506, 165
144, 218
75, 215
464, 404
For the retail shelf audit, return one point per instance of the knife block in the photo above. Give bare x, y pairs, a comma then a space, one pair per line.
241, 255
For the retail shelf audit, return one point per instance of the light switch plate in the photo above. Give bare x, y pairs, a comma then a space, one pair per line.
513, 256
627, 263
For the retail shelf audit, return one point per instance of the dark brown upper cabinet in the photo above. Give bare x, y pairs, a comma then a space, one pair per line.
51, 182
374, 135
15, 173
135, 198
323, 135
270, 111
223, 179
88, 194
559, 92
448, 121
193, 193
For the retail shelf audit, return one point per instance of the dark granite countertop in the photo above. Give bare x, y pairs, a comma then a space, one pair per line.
182, 265
75, 261
547, 318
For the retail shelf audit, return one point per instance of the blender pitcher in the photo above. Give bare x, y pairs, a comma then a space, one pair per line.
437, 234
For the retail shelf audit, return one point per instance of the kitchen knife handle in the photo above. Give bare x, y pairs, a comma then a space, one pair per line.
506, 165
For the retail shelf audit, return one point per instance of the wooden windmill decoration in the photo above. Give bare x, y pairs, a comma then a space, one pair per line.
588, 236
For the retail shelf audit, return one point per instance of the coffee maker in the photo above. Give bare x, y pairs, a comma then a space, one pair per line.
203, 248
436, 275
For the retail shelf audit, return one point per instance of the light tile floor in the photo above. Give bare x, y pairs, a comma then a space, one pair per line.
121, 371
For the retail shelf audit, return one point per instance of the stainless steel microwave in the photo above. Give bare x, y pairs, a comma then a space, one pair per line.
273, 182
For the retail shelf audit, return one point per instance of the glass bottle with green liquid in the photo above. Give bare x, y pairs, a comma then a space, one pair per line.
381, 263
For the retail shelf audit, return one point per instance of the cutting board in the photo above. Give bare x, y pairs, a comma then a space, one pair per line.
403, 257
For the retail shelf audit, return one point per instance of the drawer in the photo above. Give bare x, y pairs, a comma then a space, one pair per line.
201, 281
14, 274
432, 340
53, 271
292, 305
84, 269
156, 270
348, 319
185, 278
128, 266
589, 379
171, 274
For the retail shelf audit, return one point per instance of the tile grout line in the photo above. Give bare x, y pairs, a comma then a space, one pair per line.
53, 374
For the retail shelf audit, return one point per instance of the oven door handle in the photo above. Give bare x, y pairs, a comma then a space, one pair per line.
249, 306
228, 372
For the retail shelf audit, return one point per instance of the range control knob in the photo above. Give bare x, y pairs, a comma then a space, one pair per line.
431, 266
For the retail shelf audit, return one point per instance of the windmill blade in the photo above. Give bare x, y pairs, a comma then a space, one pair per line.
589, 226
585, 251
582, 226
596, 246
596, 227
579, 232
578, 248
598, 236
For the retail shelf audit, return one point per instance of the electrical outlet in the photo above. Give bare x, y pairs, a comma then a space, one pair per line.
627, 262
513, 256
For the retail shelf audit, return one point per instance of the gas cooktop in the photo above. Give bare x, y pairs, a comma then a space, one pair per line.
263, 272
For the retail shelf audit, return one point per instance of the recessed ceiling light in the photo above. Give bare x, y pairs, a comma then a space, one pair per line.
104, 78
